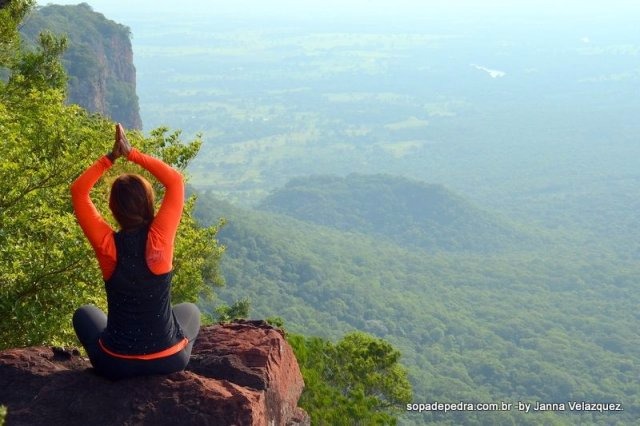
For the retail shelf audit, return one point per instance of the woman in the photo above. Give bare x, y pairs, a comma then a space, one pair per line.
142, 334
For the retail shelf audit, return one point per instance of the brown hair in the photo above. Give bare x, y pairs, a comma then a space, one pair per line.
131, 201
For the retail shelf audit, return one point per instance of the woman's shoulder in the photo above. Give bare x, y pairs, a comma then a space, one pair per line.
159, 252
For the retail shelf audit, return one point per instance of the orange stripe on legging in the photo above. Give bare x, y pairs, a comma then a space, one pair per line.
162, 354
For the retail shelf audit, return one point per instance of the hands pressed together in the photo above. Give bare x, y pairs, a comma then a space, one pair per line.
121, 146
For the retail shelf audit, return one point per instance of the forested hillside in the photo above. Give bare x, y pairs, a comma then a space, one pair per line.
409, 213
98, 59
549, 324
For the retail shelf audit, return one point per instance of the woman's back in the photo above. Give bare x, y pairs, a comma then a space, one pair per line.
140, 318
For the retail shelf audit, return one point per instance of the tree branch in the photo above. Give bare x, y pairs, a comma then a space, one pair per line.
34, 287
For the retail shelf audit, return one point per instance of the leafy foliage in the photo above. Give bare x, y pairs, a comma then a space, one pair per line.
47, 269
357, 381
11, 14
41, 68
238, 310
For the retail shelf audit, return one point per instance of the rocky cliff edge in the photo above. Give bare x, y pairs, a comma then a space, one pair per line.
243, 373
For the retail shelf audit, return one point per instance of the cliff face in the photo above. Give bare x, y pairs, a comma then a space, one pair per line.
111, 91
242, 373
99, 60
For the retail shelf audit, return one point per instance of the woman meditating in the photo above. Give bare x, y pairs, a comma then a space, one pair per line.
142, 333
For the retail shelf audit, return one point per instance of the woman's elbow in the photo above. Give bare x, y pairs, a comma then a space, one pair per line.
78, 191
75, 188
178, 180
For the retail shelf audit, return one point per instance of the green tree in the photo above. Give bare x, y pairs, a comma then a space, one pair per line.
358, 380
47, 269
11, 14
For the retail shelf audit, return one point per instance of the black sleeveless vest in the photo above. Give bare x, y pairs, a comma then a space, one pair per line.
140, 320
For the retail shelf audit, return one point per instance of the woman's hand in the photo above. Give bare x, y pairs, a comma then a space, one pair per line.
124, 147
116, 151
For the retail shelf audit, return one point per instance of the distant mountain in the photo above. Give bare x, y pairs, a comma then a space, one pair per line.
407, 212
99, 60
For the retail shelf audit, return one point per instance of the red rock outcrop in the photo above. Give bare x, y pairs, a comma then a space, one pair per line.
242, 373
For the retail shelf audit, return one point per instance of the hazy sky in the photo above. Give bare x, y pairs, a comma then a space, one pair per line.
119, 9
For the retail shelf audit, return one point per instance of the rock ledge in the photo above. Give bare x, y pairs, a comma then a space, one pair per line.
243, 373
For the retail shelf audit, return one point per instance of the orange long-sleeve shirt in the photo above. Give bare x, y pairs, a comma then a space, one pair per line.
162, 231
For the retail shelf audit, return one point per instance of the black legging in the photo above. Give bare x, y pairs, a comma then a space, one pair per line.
89, 322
